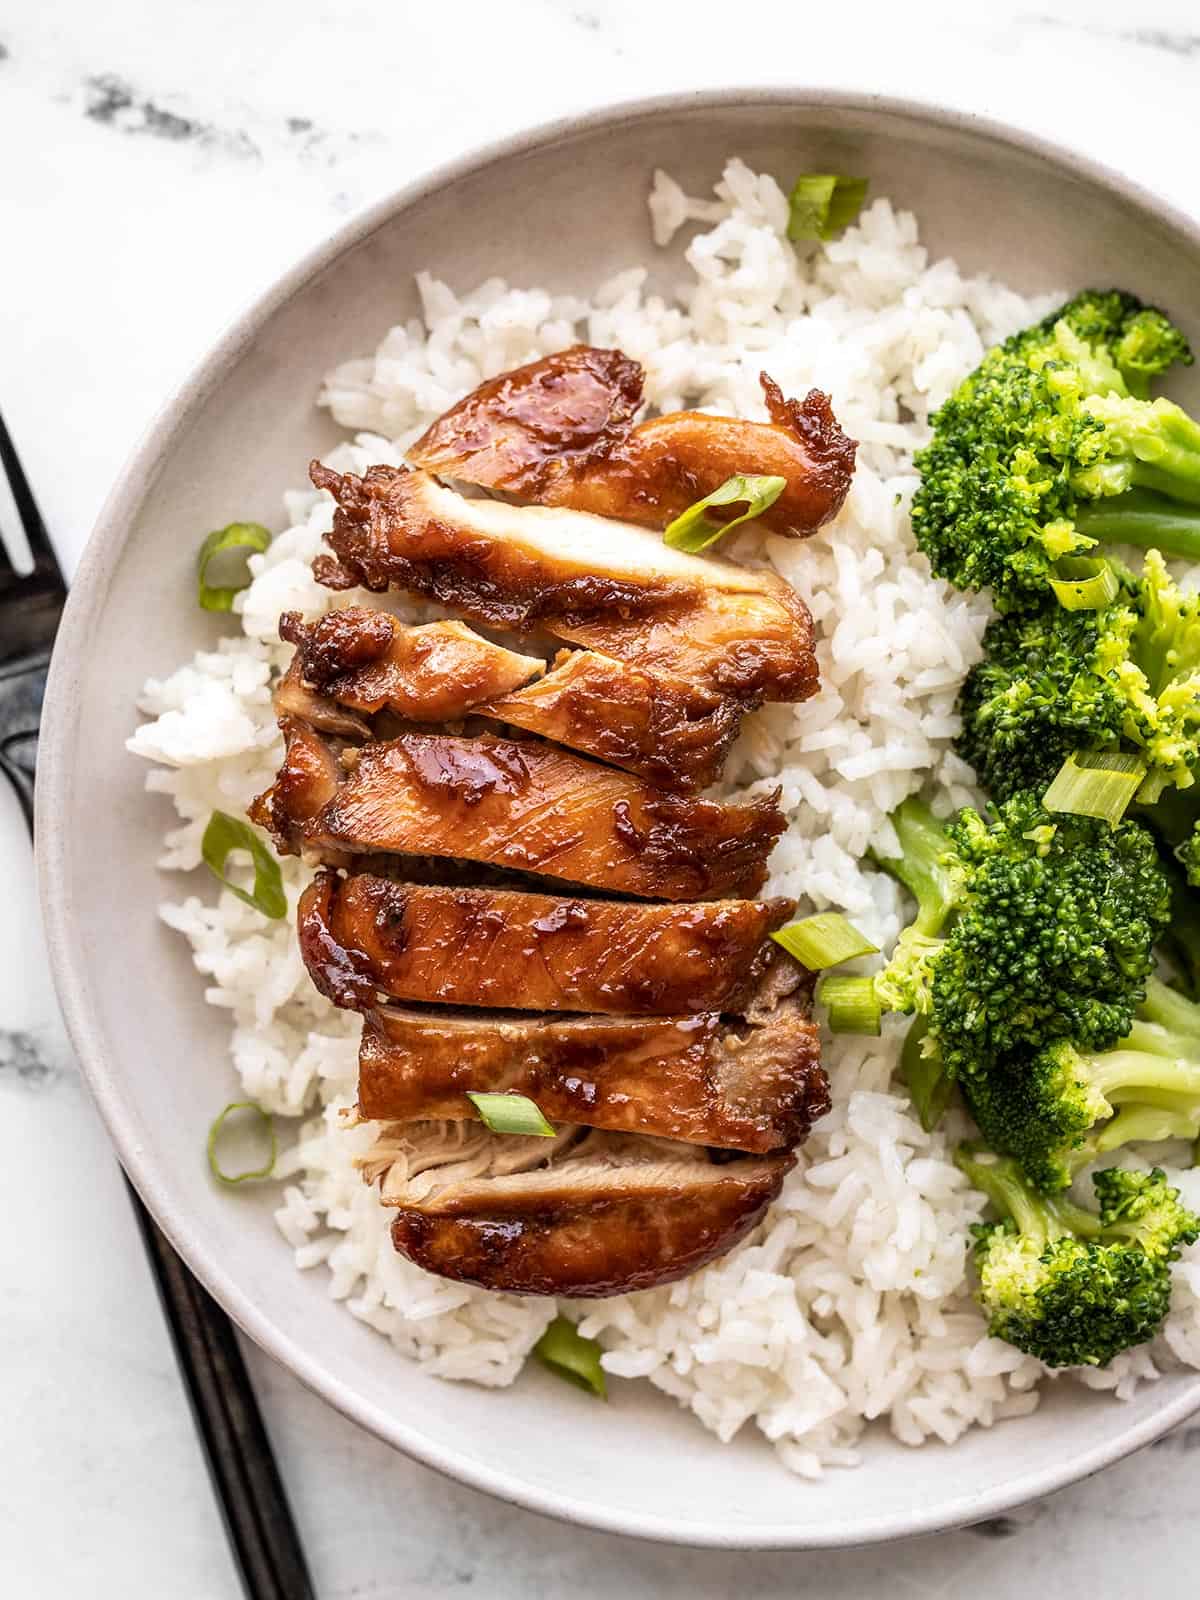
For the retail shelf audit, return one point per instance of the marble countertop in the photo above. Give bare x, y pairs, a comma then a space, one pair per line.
164, 159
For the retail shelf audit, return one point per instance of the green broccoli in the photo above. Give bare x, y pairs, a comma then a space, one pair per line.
1069, 1287
1043, 1109
1029, 928
1052, 681
1052, 446
1188, 855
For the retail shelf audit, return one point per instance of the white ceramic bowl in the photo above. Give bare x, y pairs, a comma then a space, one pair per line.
565, 206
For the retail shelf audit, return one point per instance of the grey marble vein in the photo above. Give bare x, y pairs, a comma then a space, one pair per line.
25, 1061
112, 101
1175, 41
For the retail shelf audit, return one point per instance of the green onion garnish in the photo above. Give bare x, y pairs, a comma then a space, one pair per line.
924, 1075
267, 1126
1085, 585
1095, 785
225, 834
853, 1004
237, 536
565, 1351
693, 531
822, 204
511, 1113
824, 941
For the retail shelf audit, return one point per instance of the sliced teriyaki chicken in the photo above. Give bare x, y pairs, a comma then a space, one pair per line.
675, 735
365, 661
588, 580
737, 1085
560, 432
524, 806
366, 936
606, 1215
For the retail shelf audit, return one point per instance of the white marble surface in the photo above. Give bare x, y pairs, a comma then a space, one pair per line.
163, 159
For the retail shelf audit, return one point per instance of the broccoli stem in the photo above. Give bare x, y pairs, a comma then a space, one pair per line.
1145, 519
921, 867
1119, 1070
1039, 1218
1150, 1123
1166, 1008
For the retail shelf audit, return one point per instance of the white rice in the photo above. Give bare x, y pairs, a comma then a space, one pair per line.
850, 1303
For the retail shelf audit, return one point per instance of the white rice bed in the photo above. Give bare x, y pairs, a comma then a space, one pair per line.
850, 1303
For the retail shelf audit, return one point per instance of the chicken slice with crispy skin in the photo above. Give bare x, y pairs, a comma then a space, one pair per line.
733, 1084
671, 733
559, 432
588, 580
605, 1215
438, 672
365, 936
523, 806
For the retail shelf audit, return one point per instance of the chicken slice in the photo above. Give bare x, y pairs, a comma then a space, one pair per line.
527, 807
365, 661
607, 585
673, 734
606, 1215
365, 936
733, 1085
559, 432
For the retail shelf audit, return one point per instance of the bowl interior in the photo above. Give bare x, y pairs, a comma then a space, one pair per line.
563, 209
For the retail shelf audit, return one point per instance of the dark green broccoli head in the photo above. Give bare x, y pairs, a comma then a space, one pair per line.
1039, 1110
1188, 855
1048, 420
1053, 681
1035, 698
1069, 1303
1054, 934
1069, 1287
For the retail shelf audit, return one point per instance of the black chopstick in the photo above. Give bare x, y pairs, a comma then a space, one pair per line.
241, 1463
237, 1450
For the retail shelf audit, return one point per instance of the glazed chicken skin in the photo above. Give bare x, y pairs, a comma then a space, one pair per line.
672, 734
586, 580
365, 661
367, 936
559, 432
522, 806
753, 1085
611, 1214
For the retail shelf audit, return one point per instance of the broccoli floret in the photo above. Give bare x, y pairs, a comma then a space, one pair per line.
1029, 928
1069, 1287
1052, 681
1050, 447
1043, 1109
1188, 855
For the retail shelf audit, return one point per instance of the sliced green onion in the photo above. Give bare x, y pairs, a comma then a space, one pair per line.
226, 834
853, 1004
267, 1126
1095, 785
825, 940
693, 531
237, 536
1084, 585
924, 1074
822, 204
511, 1113
566, 1352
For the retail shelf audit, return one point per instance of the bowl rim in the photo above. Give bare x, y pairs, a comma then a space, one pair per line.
67, 962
